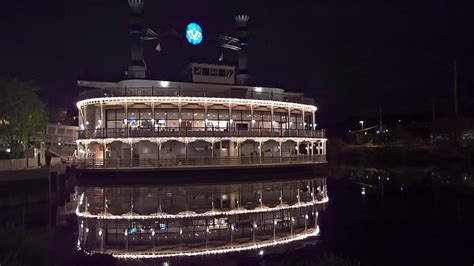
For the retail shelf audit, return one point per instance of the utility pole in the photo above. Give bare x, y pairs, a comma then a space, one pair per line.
380, 121
455, 76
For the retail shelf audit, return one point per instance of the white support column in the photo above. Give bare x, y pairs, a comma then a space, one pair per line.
186, 152
153, 116
179, 115
230, 117
314, 120
312, 148
302, 124
239, 147
281, 151
102, 120
298, 148
81, 117
85, 117
104, 152
252, 123
131, 152
289, 119
273, 119
205, 116
126, 118
212, 151
158, 143
86, 151
78, 153
260, 150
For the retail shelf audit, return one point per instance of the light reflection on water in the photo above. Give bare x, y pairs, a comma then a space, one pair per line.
408, 216
169, 221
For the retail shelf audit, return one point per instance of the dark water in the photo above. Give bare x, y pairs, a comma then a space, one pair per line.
407, 217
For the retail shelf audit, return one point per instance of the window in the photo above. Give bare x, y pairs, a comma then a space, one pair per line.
186, 114
205, 71
213, 71
237, 115
223, 115
115, 118
267, 116
197, 71
246, 116
221, 72
230, 73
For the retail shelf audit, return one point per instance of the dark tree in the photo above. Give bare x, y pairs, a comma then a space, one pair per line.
22, 114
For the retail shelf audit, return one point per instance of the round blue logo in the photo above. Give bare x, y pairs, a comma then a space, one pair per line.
194, 33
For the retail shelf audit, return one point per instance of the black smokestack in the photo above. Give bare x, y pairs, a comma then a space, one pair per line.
137, 68
242, 34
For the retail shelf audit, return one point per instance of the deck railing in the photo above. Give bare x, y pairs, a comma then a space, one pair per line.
116, 163
238, 93
195, 132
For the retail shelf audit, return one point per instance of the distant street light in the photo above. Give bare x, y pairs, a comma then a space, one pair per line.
362, 123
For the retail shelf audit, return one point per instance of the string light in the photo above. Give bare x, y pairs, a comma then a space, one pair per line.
206, 214
185, 99
215, 251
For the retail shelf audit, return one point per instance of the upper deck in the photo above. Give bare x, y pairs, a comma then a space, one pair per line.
154, 88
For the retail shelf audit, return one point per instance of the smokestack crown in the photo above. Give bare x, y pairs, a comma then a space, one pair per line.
136, 5
242, 20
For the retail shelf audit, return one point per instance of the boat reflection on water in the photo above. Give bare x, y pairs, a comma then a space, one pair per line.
170, 220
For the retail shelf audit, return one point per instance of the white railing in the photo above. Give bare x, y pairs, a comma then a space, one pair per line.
113, 163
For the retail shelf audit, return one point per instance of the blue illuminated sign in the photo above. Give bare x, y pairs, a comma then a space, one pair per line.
194, 33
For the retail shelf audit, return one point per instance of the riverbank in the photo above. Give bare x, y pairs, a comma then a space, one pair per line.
399, 155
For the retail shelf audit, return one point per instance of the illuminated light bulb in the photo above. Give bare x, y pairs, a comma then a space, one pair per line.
164, 83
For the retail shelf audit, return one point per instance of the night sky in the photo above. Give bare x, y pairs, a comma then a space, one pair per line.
351, 56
